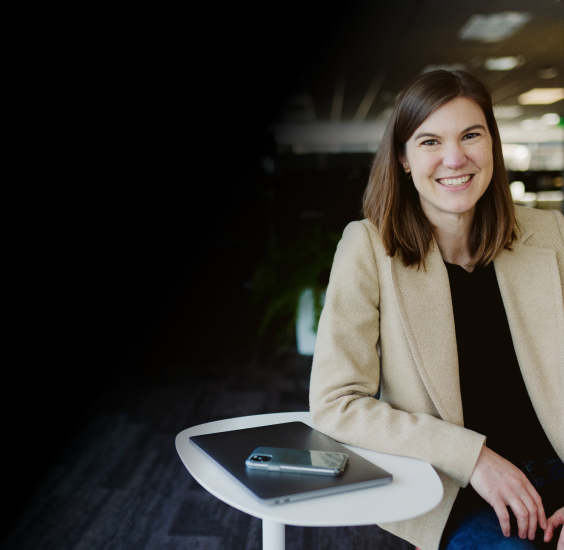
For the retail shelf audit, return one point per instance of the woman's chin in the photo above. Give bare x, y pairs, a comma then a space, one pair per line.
461, 206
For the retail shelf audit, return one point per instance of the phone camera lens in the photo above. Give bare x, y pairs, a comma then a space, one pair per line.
260, 458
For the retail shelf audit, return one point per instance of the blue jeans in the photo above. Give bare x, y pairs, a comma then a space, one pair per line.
478, 528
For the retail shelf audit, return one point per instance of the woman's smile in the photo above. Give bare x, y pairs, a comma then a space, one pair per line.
457, 182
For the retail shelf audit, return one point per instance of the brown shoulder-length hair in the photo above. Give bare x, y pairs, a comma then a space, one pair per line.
391, 201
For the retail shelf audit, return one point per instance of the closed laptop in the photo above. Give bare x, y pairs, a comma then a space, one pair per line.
231, 449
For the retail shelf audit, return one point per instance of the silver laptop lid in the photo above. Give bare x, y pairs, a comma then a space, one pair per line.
231, 449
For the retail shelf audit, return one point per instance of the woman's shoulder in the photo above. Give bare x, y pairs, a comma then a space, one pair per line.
363, 230
362, 235
362, 227
536, 216
543, 223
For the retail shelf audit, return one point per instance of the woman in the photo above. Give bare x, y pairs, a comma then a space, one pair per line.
448, 298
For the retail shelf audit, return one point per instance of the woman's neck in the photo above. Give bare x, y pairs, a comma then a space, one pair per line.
451, 233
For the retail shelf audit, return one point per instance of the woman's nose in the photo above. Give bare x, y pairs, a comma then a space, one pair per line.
454, 157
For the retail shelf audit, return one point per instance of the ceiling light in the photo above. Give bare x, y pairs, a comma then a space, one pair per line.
507, 112
517, 190
522, 152
493, 27
514, 151
444, 67
556, 196
517, 157
503, 63
519, 195
551, 119
532, 124
528, 199
546, 74
541, 96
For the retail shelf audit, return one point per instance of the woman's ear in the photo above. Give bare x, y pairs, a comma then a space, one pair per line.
404, 163
403, 160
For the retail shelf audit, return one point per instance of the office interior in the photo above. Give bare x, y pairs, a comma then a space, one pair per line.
163, 157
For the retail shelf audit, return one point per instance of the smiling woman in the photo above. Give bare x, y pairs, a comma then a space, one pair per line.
448, 298
442, 128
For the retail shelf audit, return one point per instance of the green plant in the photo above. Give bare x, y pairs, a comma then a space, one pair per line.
286, 272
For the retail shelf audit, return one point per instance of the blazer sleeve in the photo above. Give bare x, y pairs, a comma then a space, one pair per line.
346, 373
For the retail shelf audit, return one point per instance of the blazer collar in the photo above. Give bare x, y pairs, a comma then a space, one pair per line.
523, 233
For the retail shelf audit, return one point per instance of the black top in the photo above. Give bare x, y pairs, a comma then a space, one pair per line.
494, 396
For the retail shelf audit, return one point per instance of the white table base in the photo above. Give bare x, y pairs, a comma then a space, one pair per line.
273, 535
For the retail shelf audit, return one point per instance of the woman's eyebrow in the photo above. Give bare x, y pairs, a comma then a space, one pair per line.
469, 129
426, 134
474, 127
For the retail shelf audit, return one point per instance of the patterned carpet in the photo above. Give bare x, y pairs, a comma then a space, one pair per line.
119, 485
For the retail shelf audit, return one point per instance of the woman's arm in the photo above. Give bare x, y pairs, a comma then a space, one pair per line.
346, 372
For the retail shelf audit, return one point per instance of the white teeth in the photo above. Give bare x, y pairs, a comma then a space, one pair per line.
454, 182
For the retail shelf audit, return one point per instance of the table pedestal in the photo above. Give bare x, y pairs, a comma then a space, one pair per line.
273, 535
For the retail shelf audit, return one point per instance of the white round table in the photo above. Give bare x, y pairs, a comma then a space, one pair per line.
416, 488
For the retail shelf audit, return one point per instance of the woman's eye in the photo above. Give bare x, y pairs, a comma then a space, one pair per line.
471, 136
430, 142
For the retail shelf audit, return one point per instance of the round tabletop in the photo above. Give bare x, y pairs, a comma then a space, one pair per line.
415, 490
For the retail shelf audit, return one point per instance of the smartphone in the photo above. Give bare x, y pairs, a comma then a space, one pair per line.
274, 459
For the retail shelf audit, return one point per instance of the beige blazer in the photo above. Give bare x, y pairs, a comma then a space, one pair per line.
385, 324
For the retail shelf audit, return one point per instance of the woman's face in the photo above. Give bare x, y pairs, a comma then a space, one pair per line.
450, 158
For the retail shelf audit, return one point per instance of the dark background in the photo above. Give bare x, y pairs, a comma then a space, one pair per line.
139, 206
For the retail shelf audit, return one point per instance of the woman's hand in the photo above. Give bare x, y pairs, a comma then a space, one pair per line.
553, 522
502, 484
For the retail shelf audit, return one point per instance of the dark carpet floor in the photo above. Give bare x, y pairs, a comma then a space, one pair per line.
119, 485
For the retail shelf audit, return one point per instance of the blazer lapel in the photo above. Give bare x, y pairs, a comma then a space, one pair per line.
531, 288
425, 307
